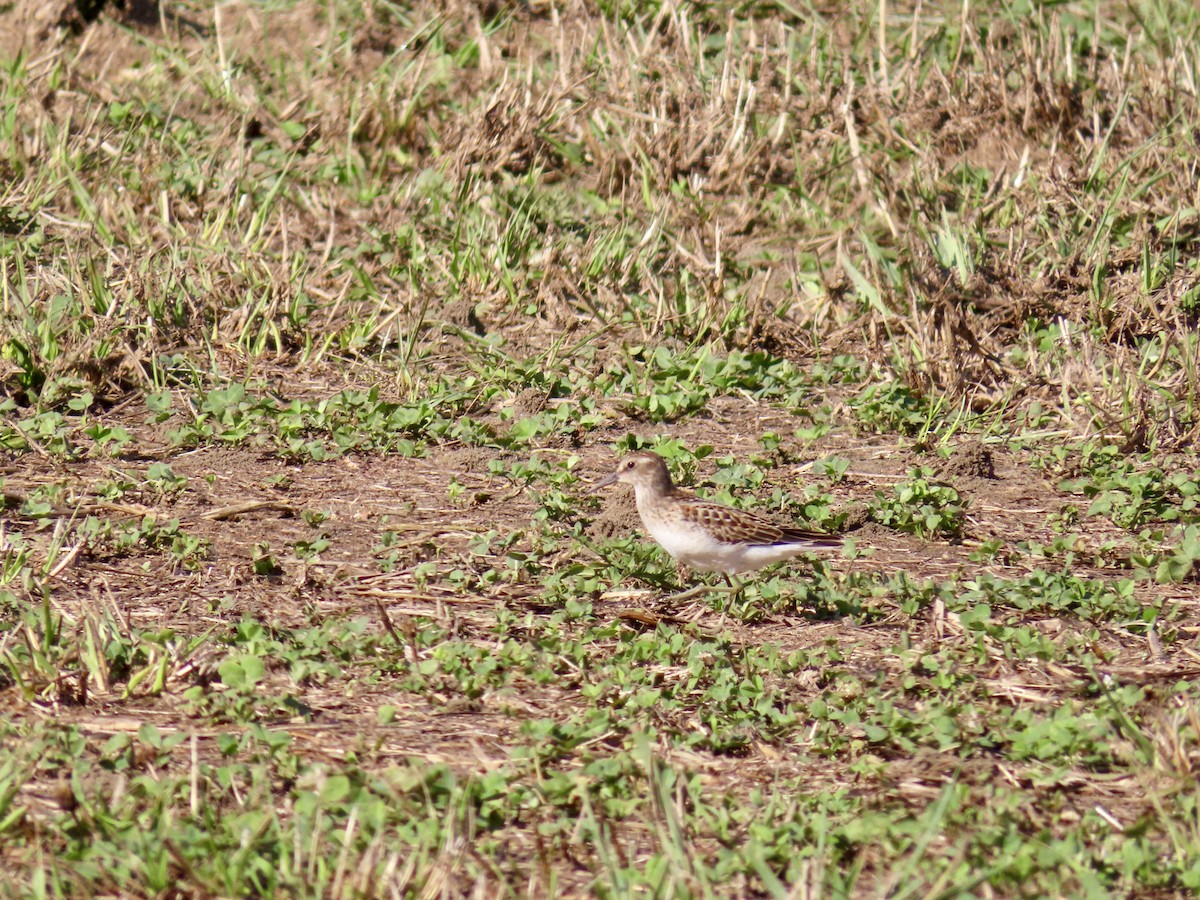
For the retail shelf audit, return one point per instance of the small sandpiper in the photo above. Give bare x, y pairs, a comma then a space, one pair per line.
704, 535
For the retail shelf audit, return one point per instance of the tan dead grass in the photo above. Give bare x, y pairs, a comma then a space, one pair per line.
647, 112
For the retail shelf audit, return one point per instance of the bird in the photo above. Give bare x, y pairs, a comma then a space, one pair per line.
707, 536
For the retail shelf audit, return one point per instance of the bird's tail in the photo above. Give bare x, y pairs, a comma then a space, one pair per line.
814, 539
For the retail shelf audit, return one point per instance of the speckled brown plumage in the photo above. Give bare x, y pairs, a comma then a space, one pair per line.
705, 535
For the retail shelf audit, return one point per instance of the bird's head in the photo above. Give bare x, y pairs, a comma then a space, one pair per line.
641, 469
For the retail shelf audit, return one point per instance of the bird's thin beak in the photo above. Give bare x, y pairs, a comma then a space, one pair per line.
602, 483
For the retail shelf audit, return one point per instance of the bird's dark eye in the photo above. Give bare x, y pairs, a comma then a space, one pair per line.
630, 464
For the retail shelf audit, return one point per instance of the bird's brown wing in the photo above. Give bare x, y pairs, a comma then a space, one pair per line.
740, 527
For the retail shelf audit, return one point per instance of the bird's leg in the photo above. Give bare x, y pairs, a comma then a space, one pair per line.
731, 587
690, 593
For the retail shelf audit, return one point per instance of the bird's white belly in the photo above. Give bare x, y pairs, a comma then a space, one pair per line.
695, 547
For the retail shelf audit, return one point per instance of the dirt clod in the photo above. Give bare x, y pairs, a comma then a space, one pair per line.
970, 459
619, 517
